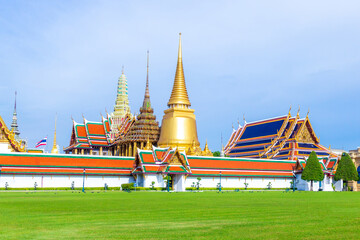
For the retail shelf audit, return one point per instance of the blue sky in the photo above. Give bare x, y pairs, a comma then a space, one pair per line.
252, 58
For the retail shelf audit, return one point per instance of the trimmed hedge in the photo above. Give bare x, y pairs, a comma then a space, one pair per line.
127, 186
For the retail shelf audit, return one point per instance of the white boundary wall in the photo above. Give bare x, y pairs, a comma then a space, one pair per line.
28, 181
326, 184
179, 181
239, 182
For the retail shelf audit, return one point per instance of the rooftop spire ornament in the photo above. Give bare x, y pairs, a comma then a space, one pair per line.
55, 149
178, 127
14, 124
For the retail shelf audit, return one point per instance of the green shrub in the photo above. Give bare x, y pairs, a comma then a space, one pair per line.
127, 186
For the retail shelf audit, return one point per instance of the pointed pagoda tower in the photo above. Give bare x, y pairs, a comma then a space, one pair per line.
145, 131
14, 124
55, 148
121, 108
178, 128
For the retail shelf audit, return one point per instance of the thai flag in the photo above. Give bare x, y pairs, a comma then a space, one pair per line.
41, 142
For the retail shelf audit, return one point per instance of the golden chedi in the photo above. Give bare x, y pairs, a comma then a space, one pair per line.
178, 128
206, 151
194, 150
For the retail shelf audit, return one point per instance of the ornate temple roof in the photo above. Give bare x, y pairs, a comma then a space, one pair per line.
161, 160
179, 93
10, 137
284, 137
145, 127
90, 134
122, 107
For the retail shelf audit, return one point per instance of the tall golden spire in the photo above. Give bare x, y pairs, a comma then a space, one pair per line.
179, 93
178, 128
55, 149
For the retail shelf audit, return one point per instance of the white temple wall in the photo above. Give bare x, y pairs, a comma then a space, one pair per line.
236, 182
5, 147
157, 178
48, 181
325, 185
179, 183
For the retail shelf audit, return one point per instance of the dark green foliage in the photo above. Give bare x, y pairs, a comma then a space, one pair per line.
216, 154
127, 186
346, 169
312, 171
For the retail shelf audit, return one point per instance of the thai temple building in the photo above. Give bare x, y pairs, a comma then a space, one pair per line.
285, 138
122, 148
179, 115
10, 140
93, 138
145, 130
121, 108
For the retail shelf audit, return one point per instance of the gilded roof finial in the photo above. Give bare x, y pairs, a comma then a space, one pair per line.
179, 93
122, 69
290, 110
206, 146
148, 147
55, 148
298, 112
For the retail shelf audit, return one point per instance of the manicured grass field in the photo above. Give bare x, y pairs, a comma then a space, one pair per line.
159, 215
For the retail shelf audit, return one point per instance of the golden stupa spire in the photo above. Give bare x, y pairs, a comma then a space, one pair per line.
178, 128
55, 149
179, 93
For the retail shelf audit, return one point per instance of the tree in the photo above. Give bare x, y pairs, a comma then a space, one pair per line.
198, 183
216, 154
346, 170
312, 171
152, 185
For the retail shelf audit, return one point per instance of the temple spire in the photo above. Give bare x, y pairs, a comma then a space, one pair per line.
179, 95
14, 124
55, 148
146, 103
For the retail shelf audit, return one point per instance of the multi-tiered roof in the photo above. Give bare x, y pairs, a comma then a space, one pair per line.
145, 128
284, 137
89, 134
121, 108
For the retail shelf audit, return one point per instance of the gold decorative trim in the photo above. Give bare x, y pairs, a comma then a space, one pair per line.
10, 135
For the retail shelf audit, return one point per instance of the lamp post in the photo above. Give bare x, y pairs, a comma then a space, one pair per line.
167, 183
83, 189
220, 183
293, 179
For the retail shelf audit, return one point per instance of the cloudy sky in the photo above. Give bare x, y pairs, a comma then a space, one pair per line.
252, 58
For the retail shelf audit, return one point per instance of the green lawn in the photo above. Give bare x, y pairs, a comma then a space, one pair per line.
159, 215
